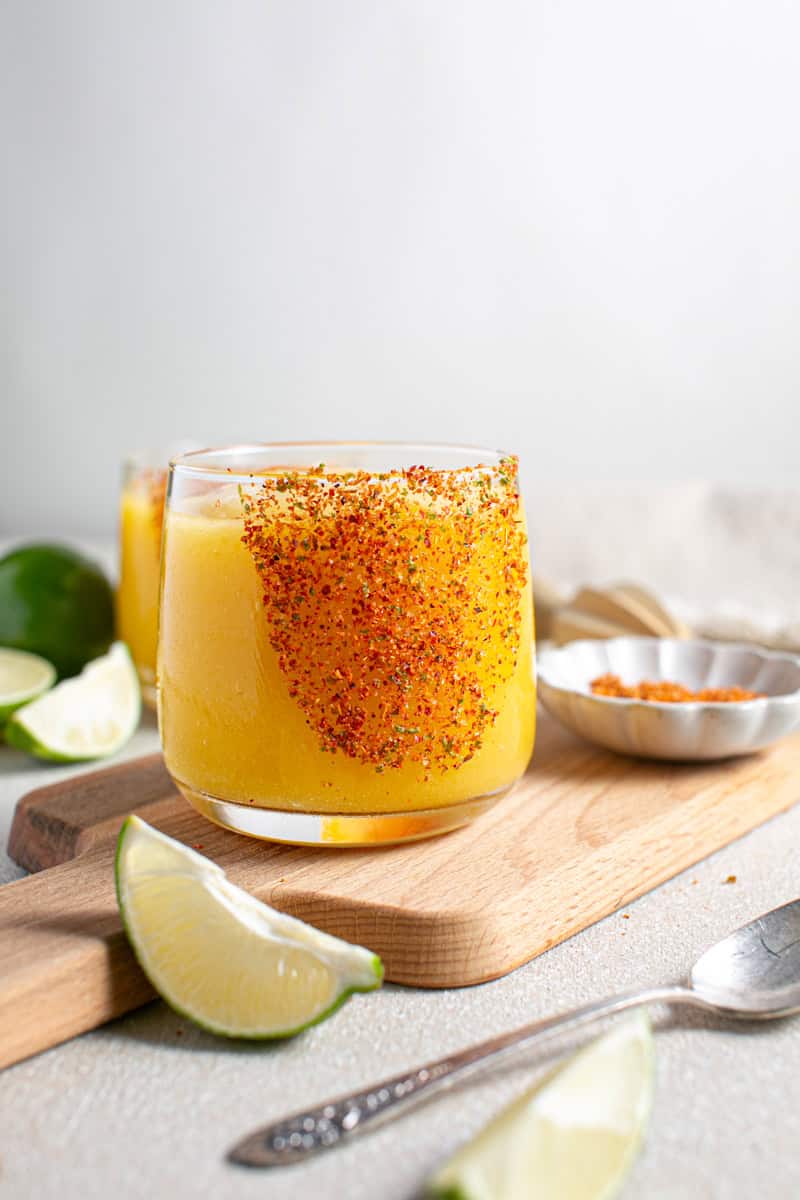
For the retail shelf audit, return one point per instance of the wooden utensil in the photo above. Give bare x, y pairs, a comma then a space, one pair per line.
583, 833
624, 608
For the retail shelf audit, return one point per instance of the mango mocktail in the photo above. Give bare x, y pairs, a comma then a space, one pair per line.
347, 642
140, 521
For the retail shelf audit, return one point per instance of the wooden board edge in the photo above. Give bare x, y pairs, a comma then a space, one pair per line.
41, 836
483, 939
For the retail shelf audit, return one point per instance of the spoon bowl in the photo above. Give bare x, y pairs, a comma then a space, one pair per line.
754, 972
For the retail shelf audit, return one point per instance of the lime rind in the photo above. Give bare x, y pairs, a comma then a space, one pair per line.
88, 717
342, 958
23, 678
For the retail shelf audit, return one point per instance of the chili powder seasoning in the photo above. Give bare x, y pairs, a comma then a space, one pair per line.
393, 603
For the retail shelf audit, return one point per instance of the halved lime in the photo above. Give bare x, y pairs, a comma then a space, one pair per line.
572, 1137
23, 677
91, 716
221, 957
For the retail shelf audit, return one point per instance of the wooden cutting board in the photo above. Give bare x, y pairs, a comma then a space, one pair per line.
583, 833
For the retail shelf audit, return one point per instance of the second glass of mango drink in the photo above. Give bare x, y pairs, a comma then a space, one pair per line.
141, 514
346, 638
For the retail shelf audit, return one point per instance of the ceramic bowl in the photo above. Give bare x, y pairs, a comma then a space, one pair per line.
682, 732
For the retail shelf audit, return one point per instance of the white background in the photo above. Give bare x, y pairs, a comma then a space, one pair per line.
565, 227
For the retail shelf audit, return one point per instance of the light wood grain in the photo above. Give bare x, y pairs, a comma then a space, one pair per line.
584, 833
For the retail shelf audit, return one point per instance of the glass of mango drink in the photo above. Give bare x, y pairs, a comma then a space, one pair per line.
346, 638
141, 514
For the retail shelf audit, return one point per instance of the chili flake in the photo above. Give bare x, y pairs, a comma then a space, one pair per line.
393, 603
667, 692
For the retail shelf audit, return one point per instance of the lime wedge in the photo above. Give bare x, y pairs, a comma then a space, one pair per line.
572, 1137
23, 677
219, 956
90, 716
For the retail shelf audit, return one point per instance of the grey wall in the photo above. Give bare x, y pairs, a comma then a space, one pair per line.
567, 227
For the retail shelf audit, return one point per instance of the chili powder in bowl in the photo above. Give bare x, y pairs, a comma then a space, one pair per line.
677, 699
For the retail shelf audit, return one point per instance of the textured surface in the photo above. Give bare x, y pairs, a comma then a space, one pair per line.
148, 1105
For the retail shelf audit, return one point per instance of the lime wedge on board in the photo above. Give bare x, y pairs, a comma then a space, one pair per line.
218, 955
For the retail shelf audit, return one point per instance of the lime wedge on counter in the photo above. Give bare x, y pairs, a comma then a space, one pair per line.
23, 677
221, 957
90, 716
572, 1137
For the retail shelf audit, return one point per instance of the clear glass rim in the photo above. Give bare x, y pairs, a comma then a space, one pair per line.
157, 459
211, 462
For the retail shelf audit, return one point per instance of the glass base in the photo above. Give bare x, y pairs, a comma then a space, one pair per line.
337, 829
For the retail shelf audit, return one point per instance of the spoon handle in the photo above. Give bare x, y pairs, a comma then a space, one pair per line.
305, 1133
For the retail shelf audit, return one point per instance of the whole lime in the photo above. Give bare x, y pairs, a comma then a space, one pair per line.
56, 603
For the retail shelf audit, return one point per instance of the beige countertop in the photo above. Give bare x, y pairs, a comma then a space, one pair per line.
147, 1106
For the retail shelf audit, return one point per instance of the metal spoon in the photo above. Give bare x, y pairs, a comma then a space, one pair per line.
753, 973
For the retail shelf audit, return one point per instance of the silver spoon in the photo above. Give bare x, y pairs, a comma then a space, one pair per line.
753, 973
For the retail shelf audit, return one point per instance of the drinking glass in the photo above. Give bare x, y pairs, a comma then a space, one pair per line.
141, 514
346, 645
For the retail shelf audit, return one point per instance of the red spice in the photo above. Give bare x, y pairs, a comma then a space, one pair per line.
393, 603
666, 691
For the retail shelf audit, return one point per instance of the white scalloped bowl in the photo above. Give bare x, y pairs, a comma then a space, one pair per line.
683, 732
